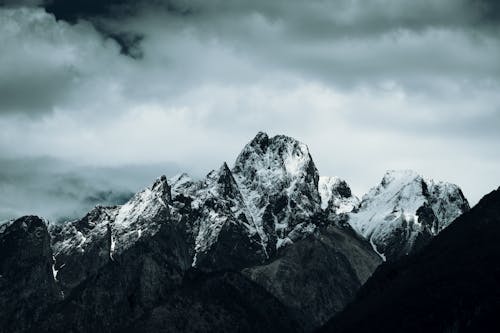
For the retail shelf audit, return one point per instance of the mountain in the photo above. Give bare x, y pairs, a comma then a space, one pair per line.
255, 246
449, 286
267, 245
402, 213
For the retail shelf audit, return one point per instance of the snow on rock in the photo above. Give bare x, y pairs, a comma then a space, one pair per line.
269, 199
116, 226
404, 211
146, 211
279, 183
78, 235
273, 196
336, 195
219, 212
447, 201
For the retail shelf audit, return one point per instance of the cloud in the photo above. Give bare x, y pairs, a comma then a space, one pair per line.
384, 84
59, 190
44, 63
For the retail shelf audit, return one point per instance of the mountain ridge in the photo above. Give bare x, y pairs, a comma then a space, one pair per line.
270, 222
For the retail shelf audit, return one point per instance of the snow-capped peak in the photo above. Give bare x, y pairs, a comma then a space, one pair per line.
277, 154
404, 209
277, 169
398, 178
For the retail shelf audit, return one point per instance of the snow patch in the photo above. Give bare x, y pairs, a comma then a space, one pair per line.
376, 250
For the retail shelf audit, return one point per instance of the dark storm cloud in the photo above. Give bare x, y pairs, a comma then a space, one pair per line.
340, 41
17, 3
311, 18
129, 42
489, 10
99, 12
306, 20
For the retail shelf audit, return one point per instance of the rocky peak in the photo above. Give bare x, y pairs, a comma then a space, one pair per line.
336, 195
404, 211
405, 175
184, 185
162, 187
261, 141
447, 201
279, 181
281, 154
226, 183
30, 234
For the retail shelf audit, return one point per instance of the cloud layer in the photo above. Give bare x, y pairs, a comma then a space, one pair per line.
368, 86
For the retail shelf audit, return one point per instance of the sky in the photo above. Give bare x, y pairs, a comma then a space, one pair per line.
99, 97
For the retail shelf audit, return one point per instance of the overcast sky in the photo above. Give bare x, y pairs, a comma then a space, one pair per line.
99, 97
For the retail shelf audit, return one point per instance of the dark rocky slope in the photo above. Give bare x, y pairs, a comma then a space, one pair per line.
318, 275
452, 285
27, 285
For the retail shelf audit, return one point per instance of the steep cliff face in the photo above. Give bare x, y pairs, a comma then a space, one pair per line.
405, 211
27, 278
279, 182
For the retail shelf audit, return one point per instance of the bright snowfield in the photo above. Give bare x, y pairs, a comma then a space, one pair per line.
274, 193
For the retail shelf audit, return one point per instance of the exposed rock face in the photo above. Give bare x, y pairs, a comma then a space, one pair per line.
279, 182
405, 211
449, 286
223, 229
27, 279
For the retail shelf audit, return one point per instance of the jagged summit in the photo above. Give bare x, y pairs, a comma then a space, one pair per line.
270, 218
279, 182
405, 210
277, 154
273, 196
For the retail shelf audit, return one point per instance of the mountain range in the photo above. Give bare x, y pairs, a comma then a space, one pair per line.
266, 245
